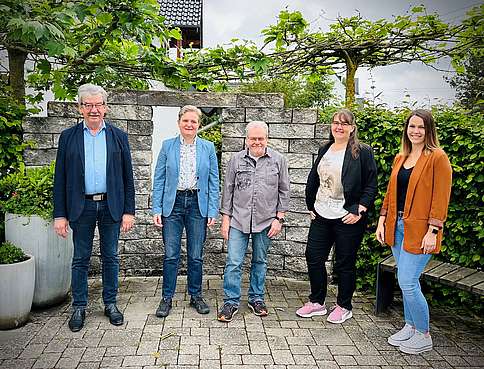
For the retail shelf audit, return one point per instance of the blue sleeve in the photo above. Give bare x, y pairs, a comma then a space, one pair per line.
213, 184
159, 181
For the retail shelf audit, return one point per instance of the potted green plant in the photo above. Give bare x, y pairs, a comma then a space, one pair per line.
16, 285
27, 202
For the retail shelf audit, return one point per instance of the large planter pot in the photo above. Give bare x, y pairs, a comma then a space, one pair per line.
53, 256
16, 291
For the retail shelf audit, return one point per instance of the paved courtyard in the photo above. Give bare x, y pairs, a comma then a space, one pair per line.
188, 340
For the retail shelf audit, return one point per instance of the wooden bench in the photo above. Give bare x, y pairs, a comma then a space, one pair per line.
462, 278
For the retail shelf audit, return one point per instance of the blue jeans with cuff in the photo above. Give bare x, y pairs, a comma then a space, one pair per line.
410, 267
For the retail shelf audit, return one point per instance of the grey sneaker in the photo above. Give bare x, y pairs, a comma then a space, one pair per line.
199, 304
418, 343
164, 308
402, 335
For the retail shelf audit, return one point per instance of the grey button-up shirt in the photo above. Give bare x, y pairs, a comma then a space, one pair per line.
254, 191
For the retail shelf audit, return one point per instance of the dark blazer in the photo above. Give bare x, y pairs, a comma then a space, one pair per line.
358, 177
69, 188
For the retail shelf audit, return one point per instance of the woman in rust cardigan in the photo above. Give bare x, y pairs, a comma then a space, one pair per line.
411, 221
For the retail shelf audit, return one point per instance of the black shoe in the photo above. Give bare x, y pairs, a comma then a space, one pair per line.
227, 312
115, 316
164, 308
77, 319
200, 305
258, 307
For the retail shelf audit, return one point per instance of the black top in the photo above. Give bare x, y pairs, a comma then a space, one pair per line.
403, 178
358, 176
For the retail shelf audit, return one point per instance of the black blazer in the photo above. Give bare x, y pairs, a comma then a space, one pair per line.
358, 177
69, 189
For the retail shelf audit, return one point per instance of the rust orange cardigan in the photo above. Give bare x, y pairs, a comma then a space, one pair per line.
427, 200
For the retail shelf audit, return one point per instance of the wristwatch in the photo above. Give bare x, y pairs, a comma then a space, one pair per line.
280, 219
435, 230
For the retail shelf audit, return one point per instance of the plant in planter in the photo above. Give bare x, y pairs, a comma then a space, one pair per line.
27, 202
16, 285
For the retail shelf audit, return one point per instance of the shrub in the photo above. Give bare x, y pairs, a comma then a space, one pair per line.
28, 191
461, 136
11, 254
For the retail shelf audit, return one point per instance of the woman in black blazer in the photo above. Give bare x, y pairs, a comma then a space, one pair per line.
341, 187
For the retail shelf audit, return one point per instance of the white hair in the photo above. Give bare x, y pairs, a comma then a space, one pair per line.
88, 90
257, 124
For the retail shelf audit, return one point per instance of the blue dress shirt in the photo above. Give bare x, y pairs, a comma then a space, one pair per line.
95, 160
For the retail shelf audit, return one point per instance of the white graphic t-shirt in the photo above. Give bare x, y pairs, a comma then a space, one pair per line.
330, 197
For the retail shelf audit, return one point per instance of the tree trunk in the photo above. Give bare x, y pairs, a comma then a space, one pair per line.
351, 68
16, 66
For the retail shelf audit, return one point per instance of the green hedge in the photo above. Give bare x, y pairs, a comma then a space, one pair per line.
462, 137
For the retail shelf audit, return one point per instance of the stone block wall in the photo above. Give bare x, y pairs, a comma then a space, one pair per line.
293, 132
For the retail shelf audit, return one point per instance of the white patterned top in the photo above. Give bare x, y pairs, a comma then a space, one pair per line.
188, 165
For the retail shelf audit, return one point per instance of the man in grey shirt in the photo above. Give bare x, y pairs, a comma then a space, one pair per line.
254, 201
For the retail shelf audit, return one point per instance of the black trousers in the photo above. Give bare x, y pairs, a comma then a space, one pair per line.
323, 233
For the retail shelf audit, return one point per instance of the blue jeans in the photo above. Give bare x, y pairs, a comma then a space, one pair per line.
237, 247
83, 235
410, 267
185, 214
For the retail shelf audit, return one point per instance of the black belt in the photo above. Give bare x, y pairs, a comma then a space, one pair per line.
97, 196
189, 191
400, 214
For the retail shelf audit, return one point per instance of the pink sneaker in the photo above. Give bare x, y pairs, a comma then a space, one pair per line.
339, 315
311, 309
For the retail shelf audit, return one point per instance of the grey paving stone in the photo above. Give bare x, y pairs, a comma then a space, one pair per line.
93, 354
121, 338
345, 360
236, 336
231, 359
139, 360
57, 345
370, 360
121, 351
283, 357
167, 357
257, 359
89, 365
304, 360
475, 360
111, 361
33, 351
67, 362
326, 364
17, 363
47, 361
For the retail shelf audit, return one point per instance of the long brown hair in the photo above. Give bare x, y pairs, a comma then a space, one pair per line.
347, 116
431, 141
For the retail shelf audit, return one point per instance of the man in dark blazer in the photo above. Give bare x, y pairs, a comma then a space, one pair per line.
93, 185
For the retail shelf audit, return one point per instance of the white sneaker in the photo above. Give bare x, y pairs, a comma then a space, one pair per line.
402, 335
418, 343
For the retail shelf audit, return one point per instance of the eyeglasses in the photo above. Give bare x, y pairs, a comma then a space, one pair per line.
91, 106
342, 124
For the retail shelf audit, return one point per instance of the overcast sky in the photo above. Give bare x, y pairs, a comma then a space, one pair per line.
244, 19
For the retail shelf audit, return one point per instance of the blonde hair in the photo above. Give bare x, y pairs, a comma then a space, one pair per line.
190, 108
431, 140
